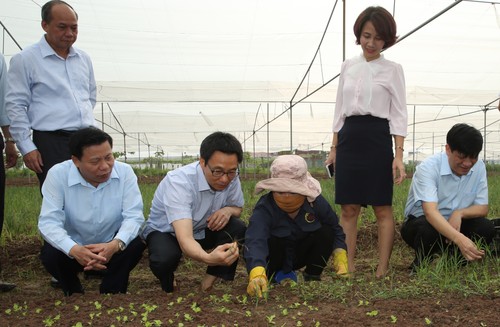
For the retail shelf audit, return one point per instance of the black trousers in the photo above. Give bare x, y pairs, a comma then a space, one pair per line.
53, 147
115, 278
2, 185
2, 188
165, 252
312, 252
419, 234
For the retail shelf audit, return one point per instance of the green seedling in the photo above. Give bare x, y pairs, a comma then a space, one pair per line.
243, 299
223, 310
195, 307
270, 319
188, 317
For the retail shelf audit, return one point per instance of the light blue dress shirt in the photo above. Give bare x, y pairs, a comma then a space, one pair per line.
434, 181
4, 119
76, 212
185, 193
47, 92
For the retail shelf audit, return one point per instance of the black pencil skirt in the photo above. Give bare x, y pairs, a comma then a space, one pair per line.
363, 170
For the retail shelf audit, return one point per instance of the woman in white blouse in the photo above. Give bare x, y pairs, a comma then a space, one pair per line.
370, 108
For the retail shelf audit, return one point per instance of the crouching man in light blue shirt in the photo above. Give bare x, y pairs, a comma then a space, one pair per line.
195, 212
448, 200
91, 215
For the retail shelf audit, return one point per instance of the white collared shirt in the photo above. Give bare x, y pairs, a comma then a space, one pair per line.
375, 88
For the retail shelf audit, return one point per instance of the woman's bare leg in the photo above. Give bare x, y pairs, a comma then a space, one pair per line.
385, 222
349, 221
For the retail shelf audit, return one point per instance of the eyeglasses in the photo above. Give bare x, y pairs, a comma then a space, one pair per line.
219, 172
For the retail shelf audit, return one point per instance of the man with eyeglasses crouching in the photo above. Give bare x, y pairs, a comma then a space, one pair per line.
195, 212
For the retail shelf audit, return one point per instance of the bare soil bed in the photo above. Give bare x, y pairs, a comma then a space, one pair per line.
35, 303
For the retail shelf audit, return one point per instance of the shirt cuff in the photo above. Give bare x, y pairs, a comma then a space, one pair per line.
25, 146
66, 246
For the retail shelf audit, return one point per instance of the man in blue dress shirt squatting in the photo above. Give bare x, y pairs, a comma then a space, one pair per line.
195, 211
447, 203
51, 90
91, 215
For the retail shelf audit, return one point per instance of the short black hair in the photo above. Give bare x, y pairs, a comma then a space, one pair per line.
86, 137
223, 142
383, 22
465, 139
47, 9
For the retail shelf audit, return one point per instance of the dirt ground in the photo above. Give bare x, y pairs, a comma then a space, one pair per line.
35, 303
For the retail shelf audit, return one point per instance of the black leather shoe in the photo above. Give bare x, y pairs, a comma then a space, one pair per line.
311, 278
55, 283
73, 291
5, 287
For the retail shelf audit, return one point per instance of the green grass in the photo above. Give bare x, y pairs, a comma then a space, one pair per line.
22, 207
23, 204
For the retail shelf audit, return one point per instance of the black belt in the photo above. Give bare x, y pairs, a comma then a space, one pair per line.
59, 132
411, 217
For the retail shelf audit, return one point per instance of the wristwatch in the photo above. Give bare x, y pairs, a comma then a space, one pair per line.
121, 245
9, 139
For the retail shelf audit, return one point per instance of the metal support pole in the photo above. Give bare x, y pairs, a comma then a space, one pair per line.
485, 110
414, 113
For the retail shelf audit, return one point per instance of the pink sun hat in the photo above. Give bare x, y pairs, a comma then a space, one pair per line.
289, 174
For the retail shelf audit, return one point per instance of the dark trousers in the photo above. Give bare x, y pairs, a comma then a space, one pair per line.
53, 147
2, 188
425, 240
2, 185
312, 252
165, 252
115, 277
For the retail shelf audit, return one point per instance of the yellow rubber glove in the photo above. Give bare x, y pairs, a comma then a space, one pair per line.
340, 262
257, 284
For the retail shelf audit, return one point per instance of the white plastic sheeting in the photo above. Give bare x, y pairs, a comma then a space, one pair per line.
165, 68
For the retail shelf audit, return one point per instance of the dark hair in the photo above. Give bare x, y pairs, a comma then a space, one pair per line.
465, 139
47, 9
383, 22
86, 137
223, 142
